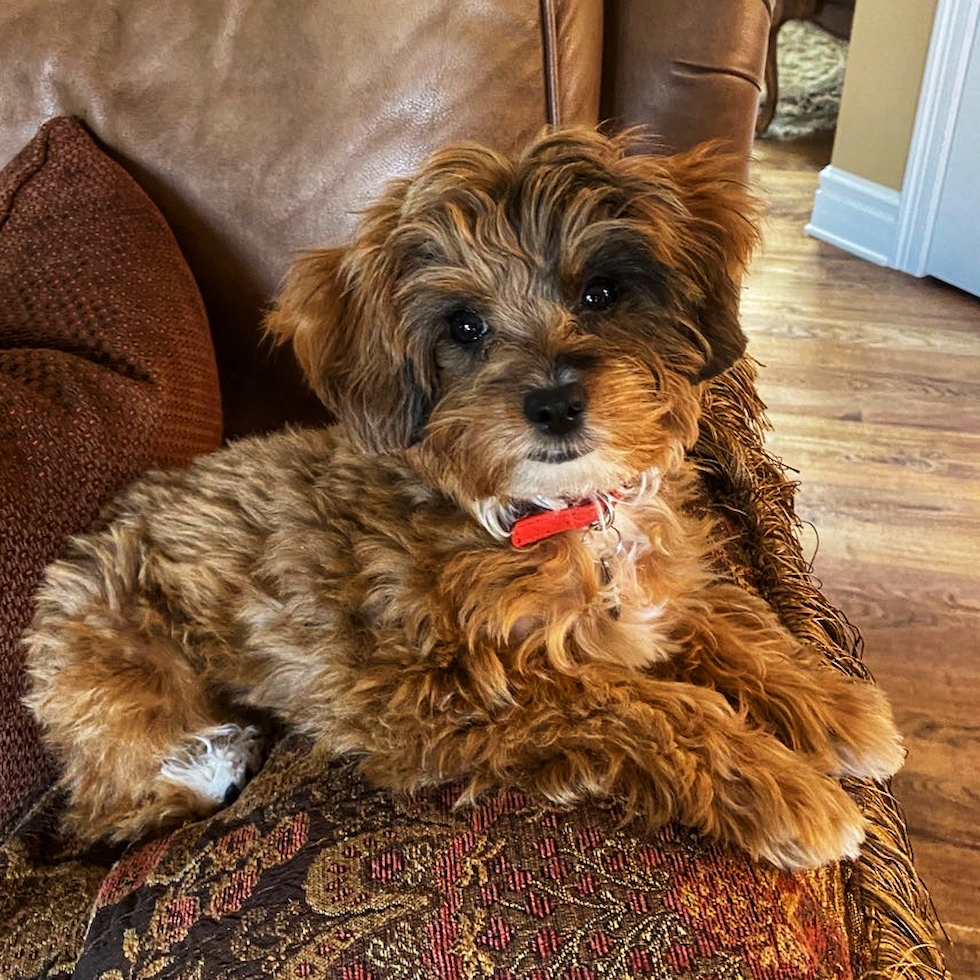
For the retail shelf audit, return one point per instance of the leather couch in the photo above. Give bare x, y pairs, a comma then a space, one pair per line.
139, 244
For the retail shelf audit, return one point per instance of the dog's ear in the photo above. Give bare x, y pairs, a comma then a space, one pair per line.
309, 313
333, 307
715, 233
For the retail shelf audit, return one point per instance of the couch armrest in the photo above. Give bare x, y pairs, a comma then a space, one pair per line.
690, 71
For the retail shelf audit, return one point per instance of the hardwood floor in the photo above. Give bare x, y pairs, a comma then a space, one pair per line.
872, 379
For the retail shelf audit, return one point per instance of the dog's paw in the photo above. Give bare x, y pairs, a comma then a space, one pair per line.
867, 744
216, 763
878, 761
776, 805
828, 827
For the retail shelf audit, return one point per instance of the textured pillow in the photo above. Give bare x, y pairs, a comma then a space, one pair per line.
312, 873
106, 368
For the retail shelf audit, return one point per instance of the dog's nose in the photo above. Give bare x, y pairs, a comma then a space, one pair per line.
557, 411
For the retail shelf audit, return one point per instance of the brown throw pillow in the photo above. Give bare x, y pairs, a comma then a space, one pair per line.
106, 368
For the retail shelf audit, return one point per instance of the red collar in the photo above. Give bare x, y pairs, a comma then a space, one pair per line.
579, 517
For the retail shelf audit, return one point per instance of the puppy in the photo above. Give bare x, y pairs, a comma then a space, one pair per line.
490, 570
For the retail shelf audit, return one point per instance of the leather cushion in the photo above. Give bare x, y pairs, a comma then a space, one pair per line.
261, 129
106, 368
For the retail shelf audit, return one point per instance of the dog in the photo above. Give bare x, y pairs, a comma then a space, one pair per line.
491, 571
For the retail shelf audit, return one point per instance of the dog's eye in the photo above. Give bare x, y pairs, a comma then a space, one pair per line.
599, 294
467, 326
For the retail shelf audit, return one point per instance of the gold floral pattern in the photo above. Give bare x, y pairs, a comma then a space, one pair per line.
312, 874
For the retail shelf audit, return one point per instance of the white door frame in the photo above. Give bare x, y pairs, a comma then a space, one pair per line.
953, 35
896, 228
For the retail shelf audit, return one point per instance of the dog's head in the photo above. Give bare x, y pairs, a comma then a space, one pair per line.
529, 328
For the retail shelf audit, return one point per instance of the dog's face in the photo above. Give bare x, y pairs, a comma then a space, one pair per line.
529, 328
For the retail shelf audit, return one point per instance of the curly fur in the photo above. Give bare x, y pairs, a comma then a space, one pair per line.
354, 582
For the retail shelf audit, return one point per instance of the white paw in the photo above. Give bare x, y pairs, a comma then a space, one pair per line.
881, 763
844, 843
870, 747
216, 763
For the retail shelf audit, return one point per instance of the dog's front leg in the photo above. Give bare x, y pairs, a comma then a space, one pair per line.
734, 644
664, 750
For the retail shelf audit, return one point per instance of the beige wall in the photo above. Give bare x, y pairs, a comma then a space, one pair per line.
889, 44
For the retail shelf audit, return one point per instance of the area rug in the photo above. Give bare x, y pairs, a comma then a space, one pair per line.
811, 76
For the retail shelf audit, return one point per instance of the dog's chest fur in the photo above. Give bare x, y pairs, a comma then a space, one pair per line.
351, 550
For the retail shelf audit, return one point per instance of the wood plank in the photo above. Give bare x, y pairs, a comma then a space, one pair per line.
922, 459
864, 348
828, 389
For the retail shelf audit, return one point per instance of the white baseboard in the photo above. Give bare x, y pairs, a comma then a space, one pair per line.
856, 215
